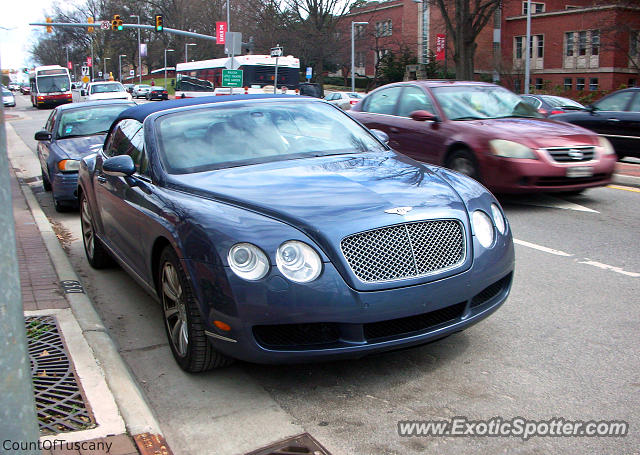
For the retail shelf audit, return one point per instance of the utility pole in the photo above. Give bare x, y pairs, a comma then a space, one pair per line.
120, 66
139, 53
165, 67
527, 50
17, 406
353, 54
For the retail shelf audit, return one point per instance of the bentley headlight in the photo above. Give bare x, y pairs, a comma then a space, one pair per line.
605, 145
298, 261
248, 261
510, 149
69, 165
483, 228
498, 218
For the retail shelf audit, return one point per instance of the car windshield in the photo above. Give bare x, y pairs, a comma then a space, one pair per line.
226, 136
48, 84
158, 88
143, 86
559, 101
471, 102
88, 121
106, 88
5, 92
355, 95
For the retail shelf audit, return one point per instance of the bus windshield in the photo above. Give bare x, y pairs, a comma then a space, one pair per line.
49, 84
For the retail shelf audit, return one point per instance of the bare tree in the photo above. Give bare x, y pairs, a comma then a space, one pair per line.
464, 20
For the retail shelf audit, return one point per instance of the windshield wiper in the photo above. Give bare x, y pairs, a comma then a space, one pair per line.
516, 116
469, 117
75, 135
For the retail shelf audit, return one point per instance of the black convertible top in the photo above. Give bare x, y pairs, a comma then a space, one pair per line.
142, 111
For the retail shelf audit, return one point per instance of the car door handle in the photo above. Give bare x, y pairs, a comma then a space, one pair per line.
394, 130
101, 179
613, 120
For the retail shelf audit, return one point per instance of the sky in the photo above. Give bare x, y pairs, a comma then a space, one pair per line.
16, 36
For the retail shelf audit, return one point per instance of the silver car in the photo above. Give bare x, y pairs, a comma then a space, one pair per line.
344, 100
7, 98
140, 90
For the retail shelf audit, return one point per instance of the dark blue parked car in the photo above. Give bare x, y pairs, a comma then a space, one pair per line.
71, 132
278, 229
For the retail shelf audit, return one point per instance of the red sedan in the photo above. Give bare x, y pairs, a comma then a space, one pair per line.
487, 132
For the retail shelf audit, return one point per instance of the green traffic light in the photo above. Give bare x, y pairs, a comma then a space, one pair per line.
120, 27
159, 27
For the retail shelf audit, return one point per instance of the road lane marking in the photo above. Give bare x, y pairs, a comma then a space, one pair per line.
585, 261
609, 267
543, 200
541, 248
623, 188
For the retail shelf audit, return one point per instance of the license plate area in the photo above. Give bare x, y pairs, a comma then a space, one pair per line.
579, 171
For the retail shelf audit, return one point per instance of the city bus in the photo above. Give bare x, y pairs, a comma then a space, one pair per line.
258, 76
50, 85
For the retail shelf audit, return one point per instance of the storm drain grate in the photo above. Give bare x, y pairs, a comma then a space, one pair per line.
60, 404
303, 444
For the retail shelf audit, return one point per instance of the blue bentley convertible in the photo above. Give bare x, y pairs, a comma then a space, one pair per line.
277, 229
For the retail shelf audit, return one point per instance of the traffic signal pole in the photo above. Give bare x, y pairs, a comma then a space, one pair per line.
133, 26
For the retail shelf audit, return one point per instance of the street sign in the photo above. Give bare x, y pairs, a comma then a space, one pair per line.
89, 61
232, 78
233, 43
85, 79
85, 70
105, 25
309, 72
99, 73
441, 46
221, 30
132, 73
276, 52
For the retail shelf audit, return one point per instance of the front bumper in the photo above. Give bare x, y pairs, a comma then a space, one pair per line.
277, 321
506, 175
65, 186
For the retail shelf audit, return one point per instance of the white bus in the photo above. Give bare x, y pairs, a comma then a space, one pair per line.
258, 76
50, 86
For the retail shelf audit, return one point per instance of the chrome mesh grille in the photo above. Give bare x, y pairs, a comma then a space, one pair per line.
572, 154
404, 250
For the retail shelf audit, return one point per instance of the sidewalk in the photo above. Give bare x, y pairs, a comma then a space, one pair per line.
627, 174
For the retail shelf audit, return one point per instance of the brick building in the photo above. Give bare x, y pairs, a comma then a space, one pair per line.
577, 46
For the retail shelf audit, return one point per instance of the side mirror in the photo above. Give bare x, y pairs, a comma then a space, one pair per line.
119, 166
43, 135
382, 136
423, 116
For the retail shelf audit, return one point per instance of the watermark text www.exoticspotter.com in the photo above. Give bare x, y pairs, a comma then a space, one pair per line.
55, 444
518, 427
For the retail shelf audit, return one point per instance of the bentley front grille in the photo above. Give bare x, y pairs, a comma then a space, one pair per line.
404, 251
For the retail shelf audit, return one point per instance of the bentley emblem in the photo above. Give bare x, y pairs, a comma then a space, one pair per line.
576, 155
399, 210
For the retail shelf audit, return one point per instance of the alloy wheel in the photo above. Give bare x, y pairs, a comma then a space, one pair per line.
175, 311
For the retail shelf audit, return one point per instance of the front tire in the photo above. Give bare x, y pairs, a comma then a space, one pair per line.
97, 255
46, 184
182, 320
463, 161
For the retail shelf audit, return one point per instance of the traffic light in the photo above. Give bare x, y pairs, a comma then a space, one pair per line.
159, 23
49, 28
90, 20
116, 23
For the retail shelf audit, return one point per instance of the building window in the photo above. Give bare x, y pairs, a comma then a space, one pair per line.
359, 31
580, 83
631, 83
568, 37
568, 83
384, 28
582, 43
595, 42
517, 86
540, 46
593, 83
360, 59
518, 49
538, 83
535, 8
634, 45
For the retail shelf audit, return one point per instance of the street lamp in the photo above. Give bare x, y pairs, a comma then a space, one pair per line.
185, 50
353, 55
139, 53
165, 67
104, 67
120, 66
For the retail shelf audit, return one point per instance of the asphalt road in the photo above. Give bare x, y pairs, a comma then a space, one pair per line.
564, 345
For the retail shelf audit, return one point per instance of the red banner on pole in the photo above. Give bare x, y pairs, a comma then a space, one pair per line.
221, 29
70, 65
441, 45
89, 61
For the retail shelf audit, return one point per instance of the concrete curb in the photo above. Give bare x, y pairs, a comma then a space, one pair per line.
135, 411
628, 180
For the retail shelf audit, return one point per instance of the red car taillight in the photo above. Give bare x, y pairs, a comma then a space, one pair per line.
164, 93
556, 111
353, 102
